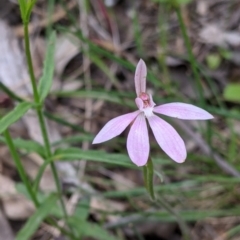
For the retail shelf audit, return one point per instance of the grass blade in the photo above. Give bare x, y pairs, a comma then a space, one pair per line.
35, 220
27, 145
92, 155
14, 115
48, 69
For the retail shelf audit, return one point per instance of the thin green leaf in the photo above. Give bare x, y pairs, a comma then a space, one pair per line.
27, 145
10, 93
83, 209
23, 9
102, 52
233, 231
36, 219
174, 3
61, 121
96, 231
71, 154
30, 5
55, 211
48, 69
87, 229
101, 65
148, 177
74, 139
92, 155
14, 115
91, 94
39, 175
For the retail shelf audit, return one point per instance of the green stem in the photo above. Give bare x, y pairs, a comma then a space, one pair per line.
137, 34
40, 115
190, 55
20, 167
25, 179
49, 155
29, 62
162, 21
183, 226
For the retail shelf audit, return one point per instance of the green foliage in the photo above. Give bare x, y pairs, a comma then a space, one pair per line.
148, 177
91, 94
187, 186
213, 61
173, 3
10, 93
37, 218
23, 8
232, 92
71, 154
83, 209
102, 66
45, 82
225, 53
74, 139
14, 115
55, 211
88, 229
26, 7
27, 145
181, 2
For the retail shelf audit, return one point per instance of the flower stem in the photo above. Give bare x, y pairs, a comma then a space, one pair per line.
20, 167
40, 116
29, 62
49, 155
183, 226
190, 55
26, 181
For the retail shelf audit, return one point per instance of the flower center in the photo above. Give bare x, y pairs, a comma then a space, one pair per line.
146, 99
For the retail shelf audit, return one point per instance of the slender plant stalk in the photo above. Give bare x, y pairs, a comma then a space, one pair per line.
29, 62
190, 55
49, 155
26, 181
20, 167
41, 117
182, 224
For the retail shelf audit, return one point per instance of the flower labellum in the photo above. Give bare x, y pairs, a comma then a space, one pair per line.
166, 136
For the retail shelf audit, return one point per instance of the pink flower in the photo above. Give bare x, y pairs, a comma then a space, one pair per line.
166, 136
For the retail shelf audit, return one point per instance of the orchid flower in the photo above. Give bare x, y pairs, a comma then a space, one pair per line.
138, 140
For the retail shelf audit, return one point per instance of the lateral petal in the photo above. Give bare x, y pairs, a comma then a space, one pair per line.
139, 103
168, 139
115, 127
183, 111
138, 141
140, 77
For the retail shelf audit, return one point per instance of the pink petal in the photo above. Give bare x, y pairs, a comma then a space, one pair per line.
115, 127
168, 139
183, 111
139, 103
152, 103
138, 141
140, 77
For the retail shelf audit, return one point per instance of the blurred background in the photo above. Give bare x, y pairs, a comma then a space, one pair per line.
192, 51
